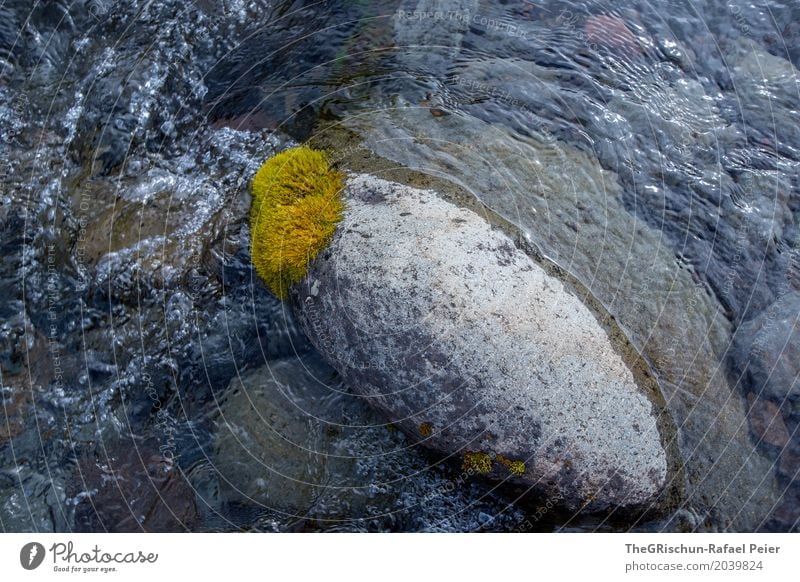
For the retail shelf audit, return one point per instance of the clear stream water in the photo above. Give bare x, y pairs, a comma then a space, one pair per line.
149, 382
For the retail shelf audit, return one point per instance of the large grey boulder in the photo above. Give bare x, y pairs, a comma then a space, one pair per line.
468, 344
575, 212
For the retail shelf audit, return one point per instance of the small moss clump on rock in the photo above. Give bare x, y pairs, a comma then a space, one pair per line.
294, 212
477, 462
514, 466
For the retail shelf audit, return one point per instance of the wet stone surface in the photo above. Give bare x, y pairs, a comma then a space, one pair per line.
443, 323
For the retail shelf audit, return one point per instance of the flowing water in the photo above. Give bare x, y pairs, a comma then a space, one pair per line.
150, 382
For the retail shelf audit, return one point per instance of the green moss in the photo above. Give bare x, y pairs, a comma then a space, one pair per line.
294, 212
477, 462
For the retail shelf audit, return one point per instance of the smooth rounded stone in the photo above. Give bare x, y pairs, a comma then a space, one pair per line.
466, 343
270, 448
563, 202
768, 347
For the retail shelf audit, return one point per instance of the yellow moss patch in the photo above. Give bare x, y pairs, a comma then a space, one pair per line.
295, 208
477, 462
515, 466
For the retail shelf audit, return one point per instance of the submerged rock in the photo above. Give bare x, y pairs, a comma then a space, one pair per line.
766, 421
769, 348
610, 32
270, 449
133, 487
434, 27
293, 444
471, 346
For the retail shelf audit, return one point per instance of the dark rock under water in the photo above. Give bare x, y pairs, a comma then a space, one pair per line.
661, 172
